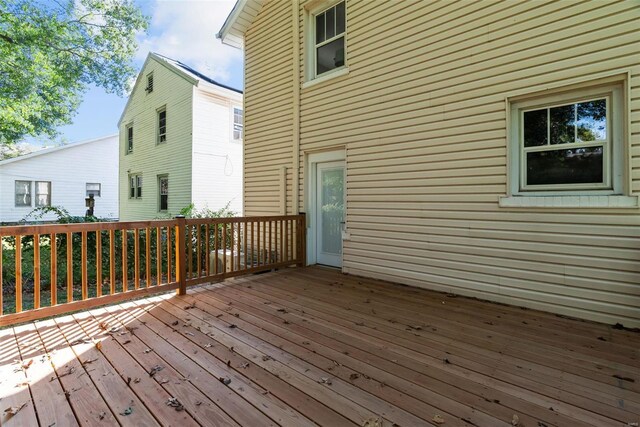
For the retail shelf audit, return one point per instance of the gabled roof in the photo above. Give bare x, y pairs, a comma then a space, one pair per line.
240, 18
191, 75
60, 148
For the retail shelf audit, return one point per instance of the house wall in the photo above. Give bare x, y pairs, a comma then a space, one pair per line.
422, 117
69, 170
172, 158
217, 158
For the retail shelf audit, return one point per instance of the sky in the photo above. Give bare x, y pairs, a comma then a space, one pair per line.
180, 29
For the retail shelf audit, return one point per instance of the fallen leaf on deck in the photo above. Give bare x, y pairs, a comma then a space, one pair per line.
12, 410
244, 365
104, 326
515, 420
114, 330
189, 333
69, 371
438, 419
136, 380
26, 365
99, 345
147, 350
359, 323
266, 357
198, 403
102, 415
208, 345
225, 380
86, 362
282, 310
373, 422
175, 323
163, 381
219, 315
127, 411
631, 380
354, 377
22, 384
325, 380
155, 370
126, 342
190, 306
232, 326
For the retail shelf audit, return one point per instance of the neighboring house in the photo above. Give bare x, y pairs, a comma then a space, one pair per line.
486, 149
63, 177
180, 143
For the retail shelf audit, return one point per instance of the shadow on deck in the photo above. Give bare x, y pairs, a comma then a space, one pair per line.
312, 346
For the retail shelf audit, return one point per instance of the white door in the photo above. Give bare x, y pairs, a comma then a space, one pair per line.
329, 212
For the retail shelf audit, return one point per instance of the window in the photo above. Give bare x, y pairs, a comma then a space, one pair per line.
135, 186
163, 193
162, 125
93, 188
129, 133
237, 124
149, 87
43, 193
23, 193
329, 29
570, 143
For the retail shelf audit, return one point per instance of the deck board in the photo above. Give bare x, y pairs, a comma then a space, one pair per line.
311, 346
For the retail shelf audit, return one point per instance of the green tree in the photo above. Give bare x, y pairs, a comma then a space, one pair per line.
51, 50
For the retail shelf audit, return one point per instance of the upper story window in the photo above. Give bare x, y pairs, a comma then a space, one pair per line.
149, 87
129, 134
328, 33
237, 124
23, 193
162, 125
570, 143
93, 188
163, 193
43, 193
135, 186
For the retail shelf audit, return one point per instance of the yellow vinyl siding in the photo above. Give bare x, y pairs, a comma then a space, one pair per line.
172, 158
422, 117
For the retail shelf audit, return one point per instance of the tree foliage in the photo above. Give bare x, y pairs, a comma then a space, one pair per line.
51, 50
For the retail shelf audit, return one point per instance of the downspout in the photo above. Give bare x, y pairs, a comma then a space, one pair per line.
296, 106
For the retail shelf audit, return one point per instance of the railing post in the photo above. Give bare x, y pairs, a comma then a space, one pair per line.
181, 264
302, 240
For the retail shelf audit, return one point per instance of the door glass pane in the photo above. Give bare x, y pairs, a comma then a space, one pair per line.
575, 166
332, 209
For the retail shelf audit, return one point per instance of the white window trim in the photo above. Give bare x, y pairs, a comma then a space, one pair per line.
128, 149
311, 10
36, 194
31, 195
572, 196
161, 177
93, 183
135, 177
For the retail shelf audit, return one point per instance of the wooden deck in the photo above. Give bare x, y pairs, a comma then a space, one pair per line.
312, 346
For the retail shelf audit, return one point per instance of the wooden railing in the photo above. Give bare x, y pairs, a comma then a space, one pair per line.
47, 270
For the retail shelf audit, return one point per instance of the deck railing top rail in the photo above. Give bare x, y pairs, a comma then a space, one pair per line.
52, 269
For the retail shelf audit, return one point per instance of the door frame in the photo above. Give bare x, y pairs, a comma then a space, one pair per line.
310, 196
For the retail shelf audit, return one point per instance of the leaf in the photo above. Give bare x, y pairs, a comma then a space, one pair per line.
515, 420
12, 410
86, 362
325, 380
147, 350
26, 365
127, 411
154, 370
438, 419
373, 422
225, 380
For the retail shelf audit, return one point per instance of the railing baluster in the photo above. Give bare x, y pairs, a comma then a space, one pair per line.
18, 255
169, 255
189, 251
1, 285
180, 255
99, 263
147, 258
198, 229
207, 249
36, 271
53, 283
269, 253
258, 247
112, 262
253, 247
83, 267
125, 269
224, 248
215, 248
69, 267
264, 240
158, 256
246, 249
238, 246
136, 258
283, 256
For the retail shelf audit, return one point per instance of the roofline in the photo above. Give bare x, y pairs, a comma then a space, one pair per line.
232, 32
56, 149
182, 72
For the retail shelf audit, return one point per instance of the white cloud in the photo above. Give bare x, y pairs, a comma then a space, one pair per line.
185, 31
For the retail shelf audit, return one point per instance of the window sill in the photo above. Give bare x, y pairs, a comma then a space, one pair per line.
569, 202
328, 76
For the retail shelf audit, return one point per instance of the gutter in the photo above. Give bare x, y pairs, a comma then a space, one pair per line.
296, 106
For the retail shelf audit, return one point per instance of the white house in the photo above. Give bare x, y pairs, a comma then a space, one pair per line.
180, 142
63, 177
